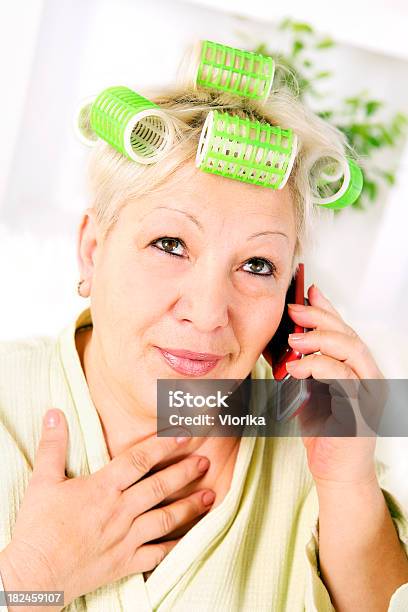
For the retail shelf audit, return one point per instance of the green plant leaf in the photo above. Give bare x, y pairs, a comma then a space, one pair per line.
354, 116
298, 26
297, 47
399, 124
372, 107
371, 188
326, 114
389, 177
375, 141
388, 138
401, 119
323, 74
285, 23
358, 204
261, 48
326, 43
353, 102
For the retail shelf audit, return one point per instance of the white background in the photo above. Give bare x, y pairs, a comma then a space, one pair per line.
54, 53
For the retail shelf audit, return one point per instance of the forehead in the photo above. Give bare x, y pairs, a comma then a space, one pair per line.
214, 197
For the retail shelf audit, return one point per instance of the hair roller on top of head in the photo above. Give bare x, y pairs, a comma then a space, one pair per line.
130, 123
250, 151
242, 148
215, 66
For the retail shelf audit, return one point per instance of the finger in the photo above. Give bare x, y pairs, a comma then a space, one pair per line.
155, 488
50, 457
128, 467
180, 531
338, 345
157, 523
331, 415
316, 317
316, 298
315, 412
320, 367
324, 369
148, 556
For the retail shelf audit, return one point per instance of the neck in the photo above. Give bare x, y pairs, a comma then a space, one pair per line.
123, 425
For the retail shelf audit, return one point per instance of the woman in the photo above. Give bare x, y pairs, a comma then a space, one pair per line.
96, 505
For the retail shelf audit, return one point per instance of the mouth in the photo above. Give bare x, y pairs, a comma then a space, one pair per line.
188, 362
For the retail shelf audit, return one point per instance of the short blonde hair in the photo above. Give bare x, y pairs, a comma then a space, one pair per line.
113, 180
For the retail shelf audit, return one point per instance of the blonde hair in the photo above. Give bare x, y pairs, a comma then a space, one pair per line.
113, 180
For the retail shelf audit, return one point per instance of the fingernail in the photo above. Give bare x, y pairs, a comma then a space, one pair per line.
51, 418
203, 464
184, 434
318, 290
297, 337
297, 306
208, 498
182, 439
290, 364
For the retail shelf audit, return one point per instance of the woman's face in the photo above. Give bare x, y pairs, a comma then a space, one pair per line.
203, 266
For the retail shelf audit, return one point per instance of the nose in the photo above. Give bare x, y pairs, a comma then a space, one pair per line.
205, 296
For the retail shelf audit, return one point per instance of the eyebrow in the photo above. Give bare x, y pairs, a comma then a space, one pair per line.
198, 224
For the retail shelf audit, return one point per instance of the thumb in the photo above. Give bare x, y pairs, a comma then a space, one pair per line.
50, 457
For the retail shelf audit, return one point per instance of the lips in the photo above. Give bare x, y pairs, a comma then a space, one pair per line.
190, 363
191, 355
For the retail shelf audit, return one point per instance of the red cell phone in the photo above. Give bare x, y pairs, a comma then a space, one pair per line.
292, 393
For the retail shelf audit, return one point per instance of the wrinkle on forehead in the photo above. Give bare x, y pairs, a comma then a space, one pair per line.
204, 196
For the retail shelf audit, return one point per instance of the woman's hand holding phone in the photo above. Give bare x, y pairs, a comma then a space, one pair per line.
77, 534
341, 458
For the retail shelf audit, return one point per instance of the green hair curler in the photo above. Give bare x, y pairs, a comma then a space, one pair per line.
130, 123
240, 72
245, 150
336, 181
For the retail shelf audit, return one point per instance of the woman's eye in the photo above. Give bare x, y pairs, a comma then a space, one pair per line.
261, 267
168, 244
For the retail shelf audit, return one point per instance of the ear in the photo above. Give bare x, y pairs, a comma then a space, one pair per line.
89, 239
